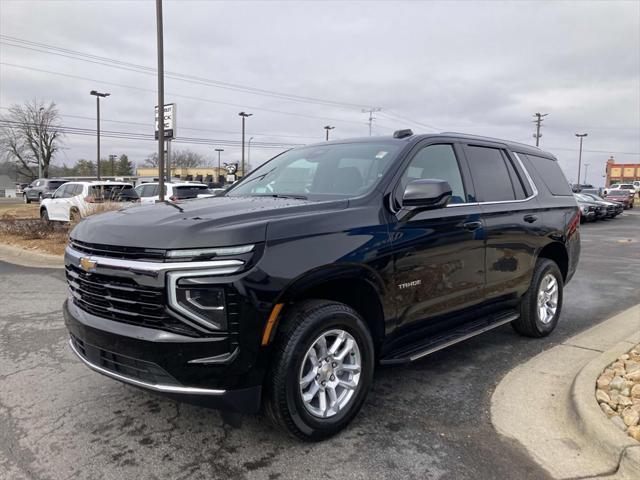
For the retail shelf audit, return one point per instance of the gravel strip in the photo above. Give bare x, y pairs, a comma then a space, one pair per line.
618, 392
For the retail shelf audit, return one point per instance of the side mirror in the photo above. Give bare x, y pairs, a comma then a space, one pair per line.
427, 194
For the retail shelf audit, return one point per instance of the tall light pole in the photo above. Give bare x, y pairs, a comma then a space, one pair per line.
244, 116
538, 121
98, 95
160, 44
580, 136
327, 128
219, 150
248, 154
586, 169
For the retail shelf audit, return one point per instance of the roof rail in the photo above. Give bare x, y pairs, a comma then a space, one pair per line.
482, 137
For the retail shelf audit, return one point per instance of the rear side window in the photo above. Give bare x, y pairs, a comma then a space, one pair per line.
550, 173
492, 175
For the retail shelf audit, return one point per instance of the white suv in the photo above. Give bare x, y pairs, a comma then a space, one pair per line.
75, 200
150, 192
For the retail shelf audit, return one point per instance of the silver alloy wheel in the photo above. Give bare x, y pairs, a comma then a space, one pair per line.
547, 298
330, 373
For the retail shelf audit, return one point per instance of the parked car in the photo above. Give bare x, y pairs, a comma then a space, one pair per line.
607, 209
621, 186
150, 192
41, 188
320, 264
613, 209
589, 209
625, 197
75, 200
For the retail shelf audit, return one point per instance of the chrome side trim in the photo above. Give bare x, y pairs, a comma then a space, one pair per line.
222, 267
149, 386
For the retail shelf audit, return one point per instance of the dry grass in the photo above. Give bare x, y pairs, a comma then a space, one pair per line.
19, 210
21, 226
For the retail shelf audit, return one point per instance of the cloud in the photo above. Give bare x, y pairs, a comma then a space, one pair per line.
477, 67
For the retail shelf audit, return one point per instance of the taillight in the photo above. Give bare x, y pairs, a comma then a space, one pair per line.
173, 198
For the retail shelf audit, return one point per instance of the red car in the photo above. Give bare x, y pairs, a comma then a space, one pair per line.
623, 196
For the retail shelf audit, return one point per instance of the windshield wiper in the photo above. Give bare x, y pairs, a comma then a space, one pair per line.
284, 195
167, 202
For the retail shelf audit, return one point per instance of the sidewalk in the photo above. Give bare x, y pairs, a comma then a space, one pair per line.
29, 258
548, 405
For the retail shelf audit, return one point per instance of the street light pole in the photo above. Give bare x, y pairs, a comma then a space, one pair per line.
248, 154
160, 44
98, 95
580, 136
327, 128
244, 116
219, 150
586, 169
41, 118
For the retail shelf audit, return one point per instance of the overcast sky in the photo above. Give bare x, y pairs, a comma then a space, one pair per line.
473, 67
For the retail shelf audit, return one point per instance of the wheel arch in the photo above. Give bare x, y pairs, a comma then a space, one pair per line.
357, 286
557, 252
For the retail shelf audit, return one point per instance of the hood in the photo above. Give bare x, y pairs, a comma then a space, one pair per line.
207, 222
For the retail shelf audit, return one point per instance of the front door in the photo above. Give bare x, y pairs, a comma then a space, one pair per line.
439, 254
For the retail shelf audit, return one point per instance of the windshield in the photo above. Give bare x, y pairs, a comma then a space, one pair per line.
321, 171
584, 198
53, 184
590, 196
618, 193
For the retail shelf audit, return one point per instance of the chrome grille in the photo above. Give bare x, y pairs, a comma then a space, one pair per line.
115, 251
123, 300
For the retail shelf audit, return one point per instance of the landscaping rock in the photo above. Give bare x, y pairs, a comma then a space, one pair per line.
618, 392
630, 417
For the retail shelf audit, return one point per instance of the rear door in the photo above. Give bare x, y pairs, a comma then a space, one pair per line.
439, 254
511, 215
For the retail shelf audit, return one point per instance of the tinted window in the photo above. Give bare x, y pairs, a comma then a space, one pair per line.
53, 184
551, 174
436, 162
516, 180
491, 175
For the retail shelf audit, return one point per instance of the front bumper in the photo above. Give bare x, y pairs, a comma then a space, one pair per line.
588, 216
164, 362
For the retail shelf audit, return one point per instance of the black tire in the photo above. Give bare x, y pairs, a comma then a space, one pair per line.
301, 326
26, 198
74, 215
44, 215
529, 324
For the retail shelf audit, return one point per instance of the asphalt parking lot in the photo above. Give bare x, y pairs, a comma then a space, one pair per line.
431, 420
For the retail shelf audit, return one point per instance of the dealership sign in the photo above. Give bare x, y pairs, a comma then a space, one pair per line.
170, 130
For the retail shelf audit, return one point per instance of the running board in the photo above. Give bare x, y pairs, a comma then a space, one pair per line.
461, 333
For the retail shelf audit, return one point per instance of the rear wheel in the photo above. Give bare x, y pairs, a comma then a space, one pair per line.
322, 370
540, 307
74, 215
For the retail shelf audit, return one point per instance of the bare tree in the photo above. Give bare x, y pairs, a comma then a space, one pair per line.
30, 135
179, 158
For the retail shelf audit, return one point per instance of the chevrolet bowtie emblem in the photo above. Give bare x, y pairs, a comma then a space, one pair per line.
87, 264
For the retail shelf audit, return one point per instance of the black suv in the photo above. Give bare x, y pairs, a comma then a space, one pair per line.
327, 260
41, 188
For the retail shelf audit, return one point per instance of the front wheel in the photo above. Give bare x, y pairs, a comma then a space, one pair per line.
322, 370
540, 307
26, 198
44, 215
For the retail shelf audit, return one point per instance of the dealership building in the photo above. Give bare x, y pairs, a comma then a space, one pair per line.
621, 172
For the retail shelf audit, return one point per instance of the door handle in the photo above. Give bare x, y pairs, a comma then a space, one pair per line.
530, 218
472, 225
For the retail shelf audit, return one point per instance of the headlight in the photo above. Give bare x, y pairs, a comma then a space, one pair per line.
584, 209
205, 253
191, 295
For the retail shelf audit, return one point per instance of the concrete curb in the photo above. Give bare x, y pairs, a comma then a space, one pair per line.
29, 258
593, 423
548, 405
